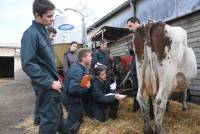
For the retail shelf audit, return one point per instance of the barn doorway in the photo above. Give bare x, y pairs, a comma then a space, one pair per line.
6, 67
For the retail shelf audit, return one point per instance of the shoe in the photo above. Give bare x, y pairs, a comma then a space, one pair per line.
36, 122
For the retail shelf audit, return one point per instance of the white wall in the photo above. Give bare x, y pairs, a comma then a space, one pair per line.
19, 74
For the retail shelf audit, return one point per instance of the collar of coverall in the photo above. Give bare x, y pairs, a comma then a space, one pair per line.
39, 26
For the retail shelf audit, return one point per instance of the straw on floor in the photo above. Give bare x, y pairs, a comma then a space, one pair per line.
176, 121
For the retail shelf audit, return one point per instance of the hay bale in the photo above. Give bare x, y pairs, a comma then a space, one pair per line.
175, 122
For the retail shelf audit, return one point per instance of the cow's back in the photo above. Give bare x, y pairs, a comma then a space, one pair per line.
167, 42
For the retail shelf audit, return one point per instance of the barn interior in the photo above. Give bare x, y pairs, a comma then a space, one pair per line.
6, 67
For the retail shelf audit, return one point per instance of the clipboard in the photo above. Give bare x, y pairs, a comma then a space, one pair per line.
85, 80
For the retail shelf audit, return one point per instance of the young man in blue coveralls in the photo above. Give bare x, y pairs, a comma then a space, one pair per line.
52, 34
38, 63
74, 94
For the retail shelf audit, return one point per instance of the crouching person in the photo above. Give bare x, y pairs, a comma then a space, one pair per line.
104, 100
74, 93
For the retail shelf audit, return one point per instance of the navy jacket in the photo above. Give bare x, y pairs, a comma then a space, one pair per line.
101, 57
37, 57
98, 91
72, 81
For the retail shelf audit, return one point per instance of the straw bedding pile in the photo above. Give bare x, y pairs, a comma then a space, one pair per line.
175, 122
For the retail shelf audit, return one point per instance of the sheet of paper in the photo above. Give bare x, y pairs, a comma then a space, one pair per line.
113, 86
99, 64
109, 94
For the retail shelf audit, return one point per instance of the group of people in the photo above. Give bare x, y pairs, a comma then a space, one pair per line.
97, 99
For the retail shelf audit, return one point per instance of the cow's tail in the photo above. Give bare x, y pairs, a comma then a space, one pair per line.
152, 73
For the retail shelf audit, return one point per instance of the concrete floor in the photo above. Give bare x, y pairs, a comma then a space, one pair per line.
17, 103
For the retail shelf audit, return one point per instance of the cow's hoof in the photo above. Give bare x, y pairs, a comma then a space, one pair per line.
159, 131
184, 109
148, 131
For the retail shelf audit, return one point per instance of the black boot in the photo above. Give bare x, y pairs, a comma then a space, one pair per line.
75, 128
113, 110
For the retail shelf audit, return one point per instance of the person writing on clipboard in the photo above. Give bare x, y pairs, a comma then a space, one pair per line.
103, 98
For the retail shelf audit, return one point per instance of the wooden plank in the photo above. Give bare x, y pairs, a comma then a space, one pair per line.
185, 21
116, 48
198, 64
197, 54
118, 51
193, 87
194, 44
197, 39
193, 34
198, 76
198, 59
193, 29
196, 50
196, 82
191, 24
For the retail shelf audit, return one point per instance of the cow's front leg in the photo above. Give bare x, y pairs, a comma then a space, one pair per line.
143, 100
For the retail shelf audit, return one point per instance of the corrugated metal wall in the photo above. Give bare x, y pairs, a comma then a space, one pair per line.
164, 9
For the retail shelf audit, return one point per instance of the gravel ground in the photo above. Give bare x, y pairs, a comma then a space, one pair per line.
17, 103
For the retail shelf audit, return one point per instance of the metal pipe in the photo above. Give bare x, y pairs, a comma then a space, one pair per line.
102, 34
132, 7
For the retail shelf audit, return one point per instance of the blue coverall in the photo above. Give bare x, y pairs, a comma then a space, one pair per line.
100, 103
101, 57
38, 63
37, 108
135, 80
73, 97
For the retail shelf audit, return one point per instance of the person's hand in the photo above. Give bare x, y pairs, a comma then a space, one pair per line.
119, 96
88, 85
56, 86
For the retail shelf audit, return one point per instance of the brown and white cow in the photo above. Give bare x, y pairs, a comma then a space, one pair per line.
165, 63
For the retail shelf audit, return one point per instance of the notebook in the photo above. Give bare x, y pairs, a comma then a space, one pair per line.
85, 80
